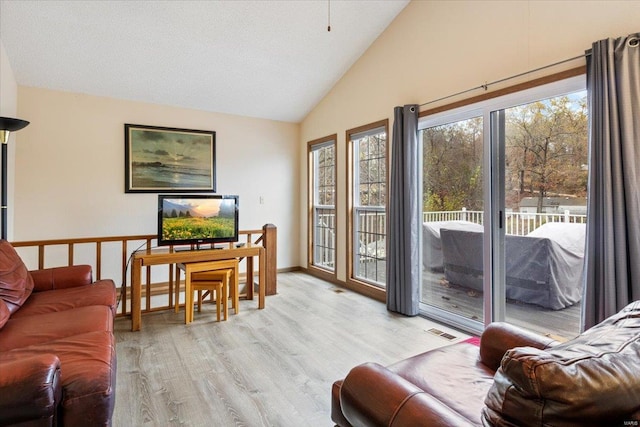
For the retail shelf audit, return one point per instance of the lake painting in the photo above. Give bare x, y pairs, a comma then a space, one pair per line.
168, 159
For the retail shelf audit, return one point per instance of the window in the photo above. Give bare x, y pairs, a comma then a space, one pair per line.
322, 191
504, 210
367, 154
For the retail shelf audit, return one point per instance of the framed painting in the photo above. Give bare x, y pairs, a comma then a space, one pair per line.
159, 159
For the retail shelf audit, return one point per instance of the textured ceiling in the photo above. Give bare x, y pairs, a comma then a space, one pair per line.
267, 59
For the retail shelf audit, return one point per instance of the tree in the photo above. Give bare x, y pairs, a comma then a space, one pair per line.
545, 154
546, 148
452, 166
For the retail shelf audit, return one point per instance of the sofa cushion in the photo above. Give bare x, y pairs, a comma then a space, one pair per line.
594, 377
441, 372
16, 283
87, 375
4, 313
102, 292
42, 328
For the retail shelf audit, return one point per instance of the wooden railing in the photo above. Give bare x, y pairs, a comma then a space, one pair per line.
39, 254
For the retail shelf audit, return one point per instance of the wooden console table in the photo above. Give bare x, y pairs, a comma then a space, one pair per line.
165, 255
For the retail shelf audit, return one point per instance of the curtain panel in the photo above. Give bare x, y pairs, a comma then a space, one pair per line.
612, 258
403, 262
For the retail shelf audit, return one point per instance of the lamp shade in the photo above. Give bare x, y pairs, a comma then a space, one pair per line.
12, 125
8, 125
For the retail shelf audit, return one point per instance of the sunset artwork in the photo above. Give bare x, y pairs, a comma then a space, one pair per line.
160, 159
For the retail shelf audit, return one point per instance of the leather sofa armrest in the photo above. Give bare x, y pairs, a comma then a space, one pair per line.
61, 277
371, 395
30, 390
499, 337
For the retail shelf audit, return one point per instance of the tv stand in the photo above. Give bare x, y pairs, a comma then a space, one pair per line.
159, 256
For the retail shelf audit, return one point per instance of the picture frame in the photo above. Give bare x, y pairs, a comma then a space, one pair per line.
161, 159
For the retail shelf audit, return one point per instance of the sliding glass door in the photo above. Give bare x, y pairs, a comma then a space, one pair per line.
545, 207
504, 210
453, 199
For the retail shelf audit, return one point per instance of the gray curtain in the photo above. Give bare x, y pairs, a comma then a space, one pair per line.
403, 263
612, 258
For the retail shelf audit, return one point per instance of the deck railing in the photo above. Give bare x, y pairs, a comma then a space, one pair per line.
109, 258
374, 221
516, 223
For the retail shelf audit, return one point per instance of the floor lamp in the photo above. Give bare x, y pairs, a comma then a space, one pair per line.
7, 125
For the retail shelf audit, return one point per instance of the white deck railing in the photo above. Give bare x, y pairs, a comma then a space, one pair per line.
516, 223
372, 223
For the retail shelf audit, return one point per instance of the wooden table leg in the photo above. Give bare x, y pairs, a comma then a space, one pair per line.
249, 275
236, 289
188, 297
136, 315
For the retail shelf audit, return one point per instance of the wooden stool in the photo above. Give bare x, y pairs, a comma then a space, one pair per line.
220, 289
232, 281
220, 276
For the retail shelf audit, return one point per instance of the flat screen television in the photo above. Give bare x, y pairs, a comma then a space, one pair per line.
197, 219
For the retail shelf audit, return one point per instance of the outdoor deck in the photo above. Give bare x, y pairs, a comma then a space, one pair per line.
438, 292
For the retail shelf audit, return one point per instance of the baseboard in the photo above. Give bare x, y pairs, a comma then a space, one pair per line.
359, 287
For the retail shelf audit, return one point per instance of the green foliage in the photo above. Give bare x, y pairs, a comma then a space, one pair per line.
545, 154
453, 166
188, 228
546, 148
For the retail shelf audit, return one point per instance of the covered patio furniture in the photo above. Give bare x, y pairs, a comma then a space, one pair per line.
542, 268
431, 246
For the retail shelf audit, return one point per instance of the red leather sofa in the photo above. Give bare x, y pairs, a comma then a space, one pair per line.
57, 348
513, 379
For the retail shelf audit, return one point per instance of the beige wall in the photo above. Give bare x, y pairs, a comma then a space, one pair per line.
69, 168
437, 48
8, 108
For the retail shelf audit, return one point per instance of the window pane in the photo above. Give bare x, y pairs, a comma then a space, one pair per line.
453, 203
371, 238
546, 205
324, 207
369, 257
324, 238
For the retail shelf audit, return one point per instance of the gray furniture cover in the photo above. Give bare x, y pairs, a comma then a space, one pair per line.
431, 246
543, 267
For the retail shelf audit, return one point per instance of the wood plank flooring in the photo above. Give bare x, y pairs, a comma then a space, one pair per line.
271, 367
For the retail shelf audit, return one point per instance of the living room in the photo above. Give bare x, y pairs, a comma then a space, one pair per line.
66, 169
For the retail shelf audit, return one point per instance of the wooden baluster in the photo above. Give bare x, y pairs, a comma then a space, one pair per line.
70, 254
98, 260
270, 243
40, 257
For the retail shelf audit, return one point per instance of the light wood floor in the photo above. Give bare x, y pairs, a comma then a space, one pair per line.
271, 367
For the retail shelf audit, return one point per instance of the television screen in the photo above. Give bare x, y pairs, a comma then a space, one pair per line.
197, 219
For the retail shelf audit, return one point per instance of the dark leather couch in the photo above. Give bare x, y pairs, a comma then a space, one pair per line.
514, 378
57, 348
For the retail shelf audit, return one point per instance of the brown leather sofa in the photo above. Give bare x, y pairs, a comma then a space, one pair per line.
513, 378
57, 348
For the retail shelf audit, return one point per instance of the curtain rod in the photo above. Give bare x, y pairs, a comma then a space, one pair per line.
486, 85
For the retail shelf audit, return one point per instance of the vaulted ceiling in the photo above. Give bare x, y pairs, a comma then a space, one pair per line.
267, 59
